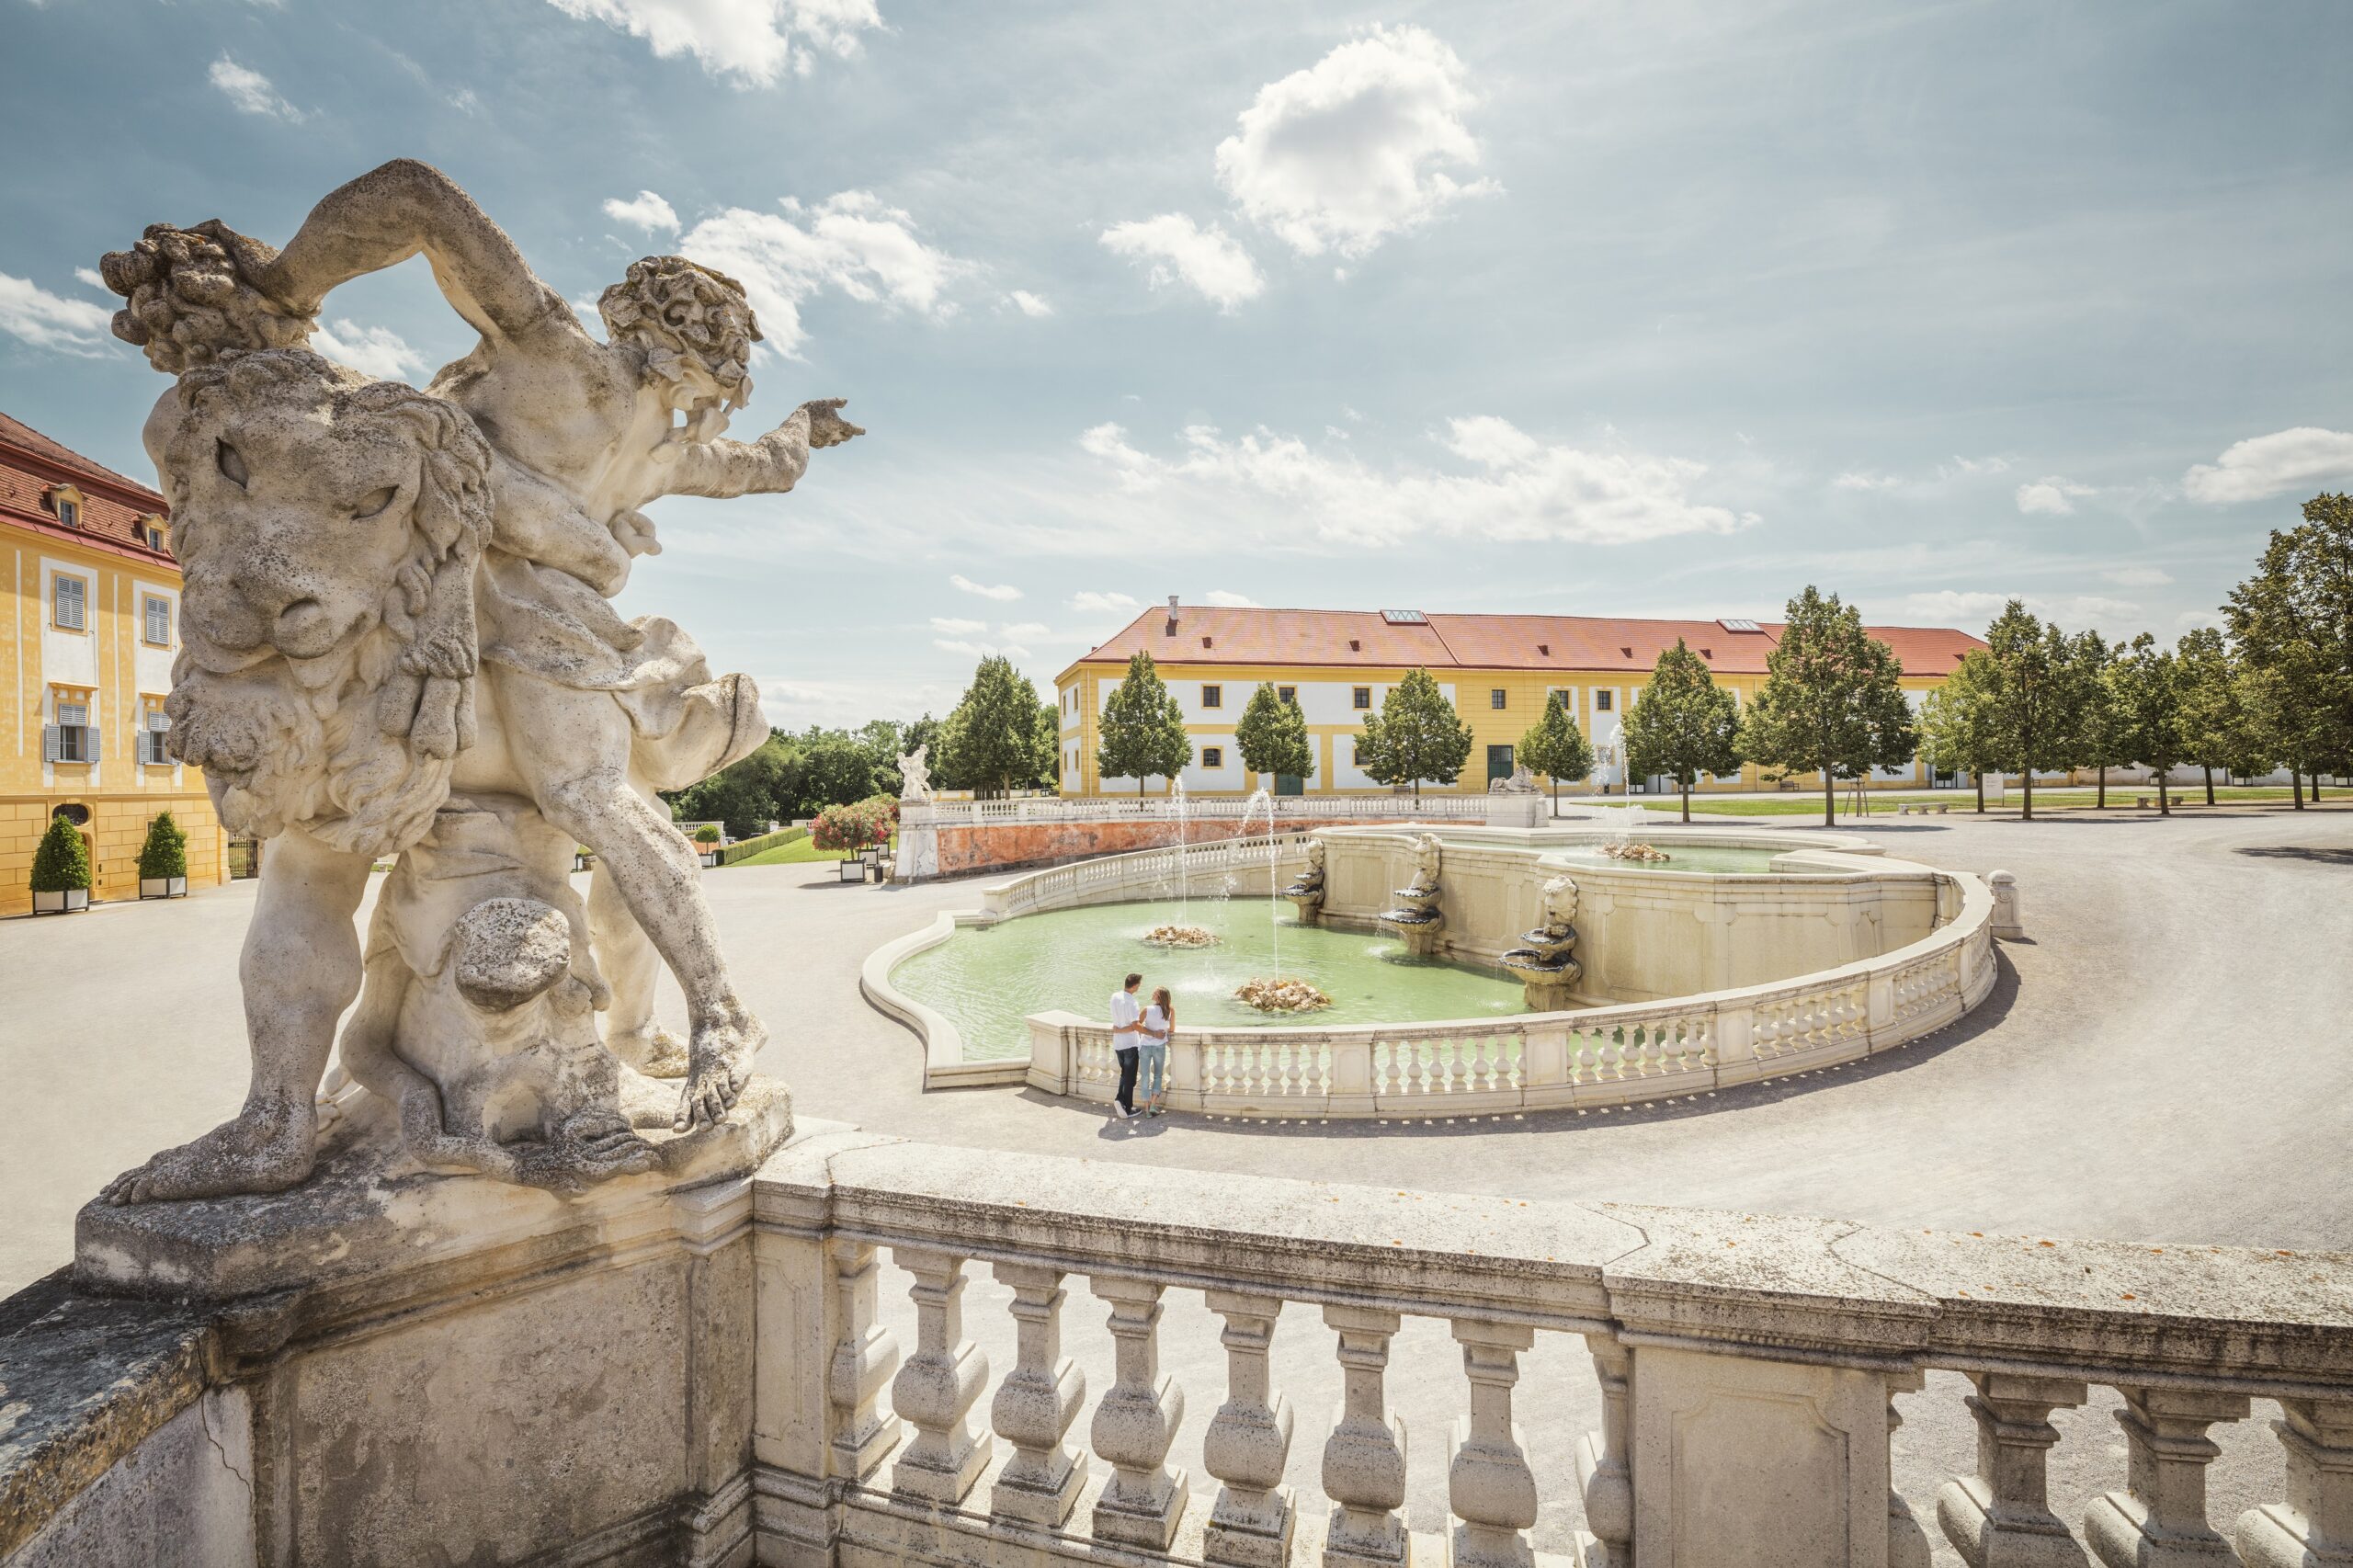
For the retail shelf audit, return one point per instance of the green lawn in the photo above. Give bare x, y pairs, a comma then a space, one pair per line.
2072, 797
798, 852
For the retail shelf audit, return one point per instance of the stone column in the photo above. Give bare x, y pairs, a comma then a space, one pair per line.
1489, 1484
1036, 1404
1907, 1543
2160, 1520
937, 1388
2008, 918
1248, 1441
2001, 1516
864, 1353
1364, 1458
1136, 1422
2315, 1524
1605, 1463
1352, 1091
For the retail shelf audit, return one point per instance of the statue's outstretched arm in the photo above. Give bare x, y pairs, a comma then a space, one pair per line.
768, 466
391, 214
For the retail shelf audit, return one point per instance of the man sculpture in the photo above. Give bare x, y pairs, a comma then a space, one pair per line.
914, 774
397, 642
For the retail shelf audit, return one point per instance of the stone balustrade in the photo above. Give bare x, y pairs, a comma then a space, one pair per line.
1615, 1055
1735, 1379
1743, 1371
1476, 808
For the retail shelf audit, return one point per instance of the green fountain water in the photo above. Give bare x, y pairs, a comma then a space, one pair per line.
986, 979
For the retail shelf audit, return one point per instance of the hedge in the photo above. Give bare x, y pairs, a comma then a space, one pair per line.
744, 848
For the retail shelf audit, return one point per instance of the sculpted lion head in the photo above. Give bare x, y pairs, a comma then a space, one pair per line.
696, 329
328, 527
1559, 902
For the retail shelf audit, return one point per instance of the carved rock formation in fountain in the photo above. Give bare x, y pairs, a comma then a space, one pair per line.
1306, 890
1646, 854
1548, 970
1273, 993
1418, 920
1180, 937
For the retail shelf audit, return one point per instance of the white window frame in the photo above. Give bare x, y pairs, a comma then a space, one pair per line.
148, 605
81, 621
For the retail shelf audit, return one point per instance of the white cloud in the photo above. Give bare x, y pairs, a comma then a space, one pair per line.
1030, 304
376, 351
1225, 598
1974, 611
752, 41
2052, 495
1949, 606
1354, 148
1021, 629
979, 650
1108, 604
1526, 489
851, 242
648, 212
1960, 468
1176, 249
45, 320
2191, 619
2266, 465
1001, 592
250, 91
89, 274
1860, 480
2138, 576
948, 625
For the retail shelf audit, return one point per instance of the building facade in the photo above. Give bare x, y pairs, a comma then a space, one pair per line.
93, 621
1497, 670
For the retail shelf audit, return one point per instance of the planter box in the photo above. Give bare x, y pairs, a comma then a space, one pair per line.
163, 887
66, 903
708, 856
853, 869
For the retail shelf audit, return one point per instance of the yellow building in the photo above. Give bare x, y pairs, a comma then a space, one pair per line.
1495, 669
85, 659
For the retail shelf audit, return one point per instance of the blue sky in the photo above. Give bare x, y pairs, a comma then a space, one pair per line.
1604, 309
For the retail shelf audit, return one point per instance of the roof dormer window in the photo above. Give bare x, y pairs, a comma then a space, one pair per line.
67, 503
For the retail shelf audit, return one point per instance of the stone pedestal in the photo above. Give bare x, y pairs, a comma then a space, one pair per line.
452, 1368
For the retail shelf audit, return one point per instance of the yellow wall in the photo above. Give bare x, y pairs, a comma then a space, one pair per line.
1524, 695
111, 663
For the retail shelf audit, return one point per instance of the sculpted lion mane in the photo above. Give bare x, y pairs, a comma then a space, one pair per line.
329, 527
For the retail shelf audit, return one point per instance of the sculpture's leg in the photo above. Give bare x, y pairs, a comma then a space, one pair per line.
572, 749
632, 966
299, 971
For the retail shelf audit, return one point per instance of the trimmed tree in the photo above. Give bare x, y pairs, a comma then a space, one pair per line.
1142, 729
1415, 735
1956, 731
1832, 703
1046, 749
1684, 724
1273, 735
2145, 686
2293, 624
62, 862
748, 794
2038, 701
1555, 747
2103, 730
2219, 729
164, 853
989, 744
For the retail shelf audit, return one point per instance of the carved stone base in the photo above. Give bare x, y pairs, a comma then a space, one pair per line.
1148, 1521
367, 1214
2012, 1539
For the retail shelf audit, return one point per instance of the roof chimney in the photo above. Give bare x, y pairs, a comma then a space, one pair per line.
1170, 630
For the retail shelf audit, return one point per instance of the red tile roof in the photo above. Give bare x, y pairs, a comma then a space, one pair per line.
31, 465
1363, 639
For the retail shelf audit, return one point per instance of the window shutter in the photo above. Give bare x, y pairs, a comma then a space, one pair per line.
52, 741
92, 732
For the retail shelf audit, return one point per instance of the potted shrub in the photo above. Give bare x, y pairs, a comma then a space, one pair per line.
707, 839
61, 871
583, 858
163, 859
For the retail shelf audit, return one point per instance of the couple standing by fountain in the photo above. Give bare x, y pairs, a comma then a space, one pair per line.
1140, 1035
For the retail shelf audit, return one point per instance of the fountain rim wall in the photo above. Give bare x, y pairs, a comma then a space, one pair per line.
1841, 859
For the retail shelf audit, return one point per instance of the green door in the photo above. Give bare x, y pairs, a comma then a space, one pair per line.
1498, 763
1289, 784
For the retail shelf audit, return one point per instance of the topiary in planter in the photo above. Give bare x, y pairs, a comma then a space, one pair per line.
165, 853
707, 834
61, 867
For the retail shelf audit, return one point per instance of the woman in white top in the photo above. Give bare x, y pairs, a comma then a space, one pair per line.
1152, 1076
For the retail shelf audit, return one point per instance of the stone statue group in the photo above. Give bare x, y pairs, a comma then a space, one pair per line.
397, 642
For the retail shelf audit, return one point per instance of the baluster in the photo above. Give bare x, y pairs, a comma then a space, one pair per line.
1489, 1484
1294, 1070
2315, 1524
1036, 1404
2002, 1514
1605, 1462
1364, 1458
1907, 1543
1248, 1441
1135, 1422
1457, 1070
2159, 1520
1584, 1065
938, 1386
863, 1356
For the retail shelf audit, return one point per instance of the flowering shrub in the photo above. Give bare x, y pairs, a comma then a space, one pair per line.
856, 826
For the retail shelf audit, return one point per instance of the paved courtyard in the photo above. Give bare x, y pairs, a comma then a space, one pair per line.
2169, 1058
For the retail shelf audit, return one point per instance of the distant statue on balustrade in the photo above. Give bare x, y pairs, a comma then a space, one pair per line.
914, 774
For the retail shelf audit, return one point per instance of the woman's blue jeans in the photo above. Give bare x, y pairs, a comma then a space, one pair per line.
1152, 1075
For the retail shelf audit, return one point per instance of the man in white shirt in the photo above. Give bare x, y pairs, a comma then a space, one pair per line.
1127, 1039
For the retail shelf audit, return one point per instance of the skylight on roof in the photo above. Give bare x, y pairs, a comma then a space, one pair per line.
1404, 618
1737, 623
